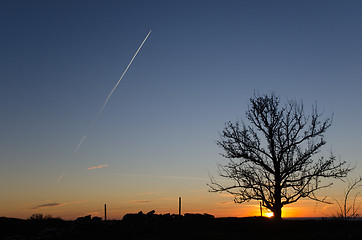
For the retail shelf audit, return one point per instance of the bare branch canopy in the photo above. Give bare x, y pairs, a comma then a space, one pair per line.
274, 158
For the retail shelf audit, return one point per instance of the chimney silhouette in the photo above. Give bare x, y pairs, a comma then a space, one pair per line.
179, 206
105, 212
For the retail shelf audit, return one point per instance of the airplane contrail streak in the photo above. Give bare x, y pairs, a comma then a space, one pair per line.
129, 64
80, 143
110, 94
60, 177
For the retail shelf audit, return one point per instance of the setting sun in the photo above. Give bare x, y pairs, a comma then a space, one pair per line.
269, 214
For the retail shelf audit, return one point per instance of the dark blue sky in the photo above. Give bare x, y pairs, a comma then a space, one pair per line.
202, 62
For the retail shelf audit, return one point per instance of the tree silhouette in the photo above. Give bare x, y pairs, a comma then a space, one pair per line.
273, 160
349, 212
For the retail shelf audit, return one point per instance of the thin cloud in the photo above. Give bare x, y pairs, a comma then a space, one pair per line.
163, 177
147, 193
76, 202
198, 190
225, 203
168, 199
140, 201
55, 204
94, 213
98, 166
226, 195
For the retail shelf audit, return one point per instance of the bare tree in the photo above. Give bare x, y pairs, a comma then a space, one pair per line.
349, 211
273, 160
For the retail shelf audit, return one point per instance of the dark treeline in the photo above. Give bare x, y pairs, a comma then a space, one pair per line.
187, 226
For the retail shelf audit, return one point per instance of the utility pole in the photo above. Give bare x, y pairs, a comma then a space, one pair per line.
105, 212
179, 206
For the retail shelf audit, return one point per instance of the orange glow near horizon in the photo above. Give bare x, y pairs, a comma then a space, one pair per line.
301, 209
195, 202
269, 214
69, 213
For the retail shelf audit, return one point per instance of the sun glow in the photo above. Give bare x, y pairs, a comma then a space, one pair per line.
269, 214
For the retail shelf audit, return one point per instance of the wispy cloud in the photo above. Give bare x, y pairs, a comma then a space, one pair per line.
163, 177
197, 190
225, 203
94, 213
140, 201
46, 205
56, 204
167, 199
226, 195
98, 166
76, 202
147, 193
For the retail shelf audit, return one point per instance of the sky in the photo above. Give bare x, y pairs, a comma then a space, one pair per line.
155, 140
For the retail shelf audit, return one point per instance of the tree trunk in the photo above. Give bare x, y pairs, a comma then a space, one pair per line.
277, 211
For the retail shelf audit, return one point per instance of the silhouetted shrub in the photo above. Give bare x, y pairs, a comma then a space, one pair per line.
41, 217
85, 219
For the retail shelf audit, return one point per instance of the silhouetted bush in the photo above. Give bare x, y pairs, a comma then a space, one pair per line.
85, 219
41, 217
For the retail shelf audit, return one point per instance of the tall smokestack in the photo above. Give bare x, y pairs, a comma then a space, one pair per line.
179, 206
105, 212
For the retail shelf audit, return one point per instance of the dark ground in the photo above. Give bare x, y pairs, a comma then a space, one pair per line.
192, 226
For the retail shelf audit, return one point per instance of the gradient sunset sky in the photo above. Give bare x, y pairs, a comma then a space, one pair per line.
156, 138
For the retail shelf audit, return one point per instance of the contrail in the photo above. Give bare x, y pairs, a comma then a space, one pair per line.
129, 64
110, 94
60, 177
80, 142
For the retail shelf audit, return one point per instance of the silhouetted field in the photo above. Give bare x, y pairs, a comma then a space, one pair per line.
189, 226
